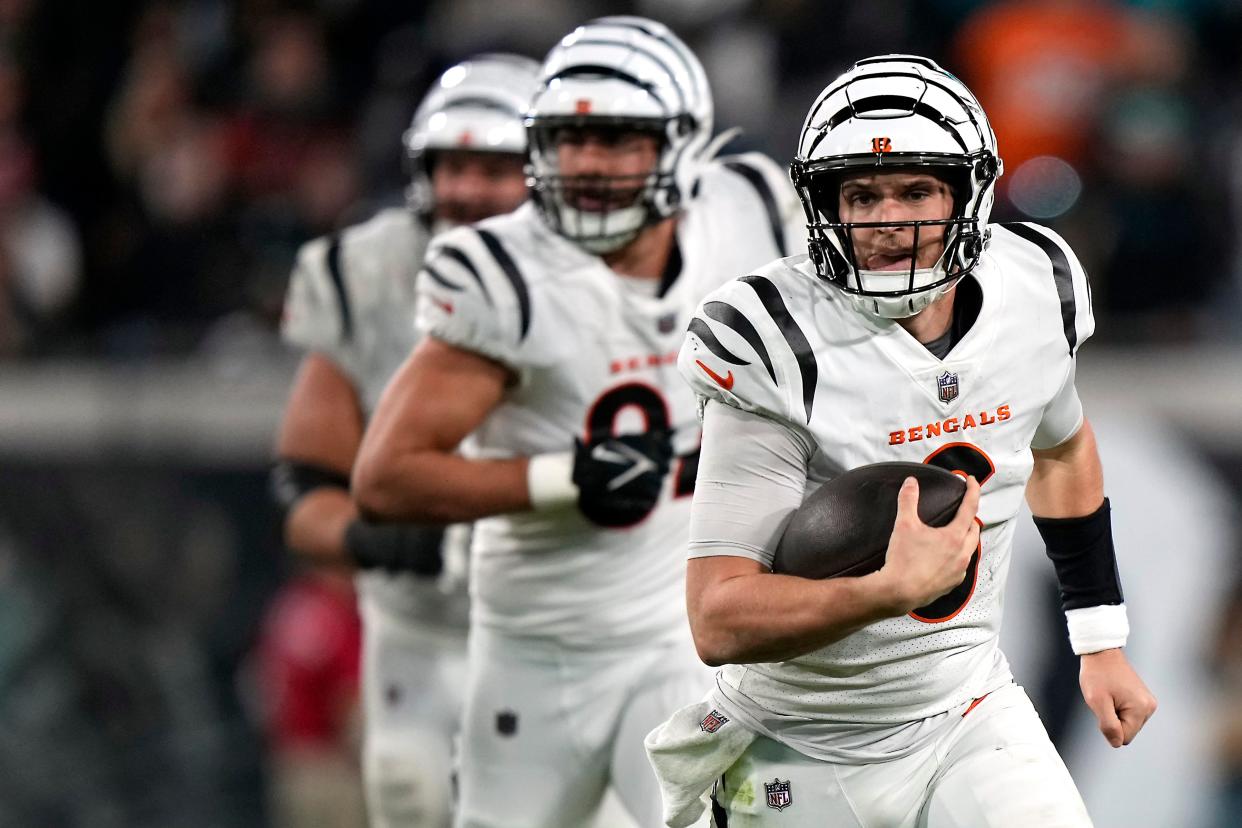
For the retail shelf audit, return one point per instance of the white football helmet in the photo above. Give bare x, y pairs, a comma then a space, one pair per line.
476, 105
627, 72
896, 113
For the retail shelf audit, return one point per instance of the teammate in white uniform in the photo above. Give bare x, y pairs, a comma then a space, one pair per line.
351, 307
913, 331
553, 335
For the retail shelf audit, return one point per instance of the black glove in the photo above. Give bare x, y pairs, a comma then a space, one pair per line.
396, 547
619, 478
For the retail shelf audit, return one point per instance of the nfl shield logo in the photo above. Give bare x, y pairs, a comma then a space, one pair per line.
779, 796
713, 722
666, 324
946, 384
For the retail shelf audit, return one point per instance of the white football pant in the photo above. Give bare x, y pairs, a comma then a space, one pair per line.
545, 729
412, 682
993, 768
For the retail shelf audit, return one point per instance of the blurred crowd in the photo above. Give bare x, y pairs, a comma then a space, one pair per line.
161, 161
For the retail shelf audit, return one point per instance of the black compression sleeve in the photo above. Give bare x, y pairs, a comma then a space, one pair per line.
396, 547
1081, 550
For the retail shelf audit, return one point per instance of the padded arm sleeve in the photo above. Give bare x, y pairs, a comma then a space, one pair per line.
472, 296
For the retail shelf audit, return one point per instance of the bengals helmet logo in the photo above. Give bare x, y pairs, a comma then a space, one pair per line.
881, 145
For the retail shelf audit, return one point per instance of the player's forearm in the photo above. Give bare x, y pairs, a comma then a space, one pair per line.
439, 488
1068, 480
315, 526
767, 617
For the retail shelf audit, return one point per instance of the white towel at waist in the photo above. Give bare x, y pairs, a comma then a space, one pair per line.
690, 752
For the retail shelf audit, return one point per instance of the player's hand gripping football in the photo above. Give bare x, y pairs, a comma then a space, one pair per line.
922, 562
619, 478
1120, 700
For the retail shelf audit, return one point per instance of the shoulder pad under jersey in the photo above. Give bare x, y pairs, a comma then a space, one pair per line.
760, 196
746, 347
472, 292
1045, 257
339, 281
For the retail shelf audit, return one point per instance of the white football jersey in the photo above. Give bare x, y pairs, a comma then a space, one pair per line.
351, 299
786, 345
593, 352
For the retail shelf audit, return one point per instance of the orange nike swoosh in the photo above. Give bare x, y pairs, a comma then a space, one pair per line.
724, 382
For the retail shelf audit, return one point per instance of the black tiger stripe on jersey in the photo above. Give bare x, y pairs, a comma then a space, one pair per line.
770, 296
726, 314
704, 332
756, 179
514, 275
338, 284
1061, 275
463, 260
440, 279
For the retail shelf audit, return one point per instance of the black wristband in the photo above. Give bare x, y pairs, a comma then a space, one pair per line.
396, 547
1082, 553
291, 480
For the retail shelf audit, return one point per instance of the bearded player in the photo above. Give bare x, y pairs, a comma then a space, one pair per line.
913, 331
551, 341
351, 307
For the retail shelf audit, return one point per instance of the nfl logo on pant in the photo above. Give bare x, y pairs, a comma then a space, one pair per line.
779, 796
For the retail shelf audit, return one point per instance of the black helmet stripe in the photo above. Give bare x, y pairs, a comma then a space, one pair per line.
623, 23
832, 90
623, 45
888, 102
916, 59
828, 93
608, 72
907, 105
479, 102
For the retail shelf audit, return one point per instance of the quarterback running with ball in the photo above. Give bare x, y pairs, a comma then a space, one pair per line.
911, 330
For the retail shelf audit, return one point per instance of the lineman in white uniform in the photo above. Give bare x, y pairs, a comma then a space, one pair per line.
913, 331
553, 335
351, 307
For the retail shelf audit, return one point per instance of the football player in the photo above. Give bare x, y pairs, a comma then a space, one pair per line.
913, 331
552, 336
351, 307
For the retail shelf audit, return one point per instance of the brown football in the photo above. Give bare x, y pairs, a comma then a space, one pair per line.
843, 528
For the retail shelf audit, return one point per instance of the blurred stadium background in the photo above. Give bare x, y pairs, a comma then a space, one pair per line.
161, 661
